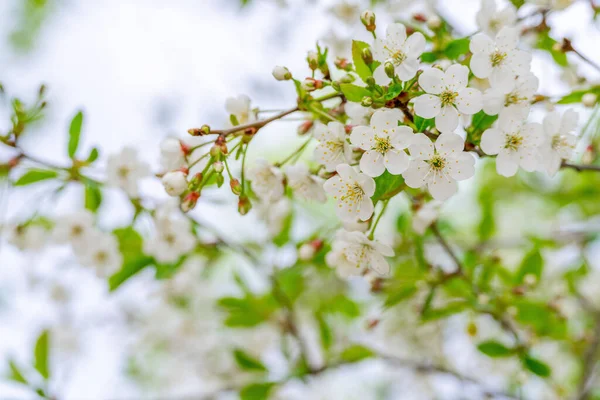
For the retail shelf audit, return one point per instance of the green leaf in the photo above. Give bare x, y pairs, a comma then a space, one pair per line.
533, 264
494, 349
437, 313
354, 93
481, 121
324, 331
15, 373
545, 42
540, 318
487, 224
356, 353
577, 95
518, 3
457, 48
536, 366
257, 391
34, 176
400, 294
340, 304
75, 133
42, 349
283, 237
422, 124
387, 186
134, 260
128, 269
429, 57
93, 196
291, 281
393, 91
94, 153
362, 69
247, 362
248, 311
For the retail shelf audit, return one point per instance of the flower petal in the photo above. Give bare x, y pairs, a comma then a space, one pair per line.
507, 39
367, 184
481, 45
469, 101
449, 144
551, 123
407, 69
378, 264
421, 147
402, 137
414, 176
569, 121
381, 77
507, 163
432, 81
481, 65
415, 44
462, 166
447, 119
533, 134
371, 163
386, 119
427, 106
492, 141
396, 35
347, 173
442, 187
363, 137
365, 209
457, 77
396, 161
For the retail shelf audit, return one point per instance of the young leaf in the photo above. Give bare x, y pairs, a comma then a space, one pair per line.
257, 391
387, 185
457, 48
422, 124
362, 69
532, 264
356, 353
94, 153
354, 93
493, 348
41, 352
35, 175
536, 366
93, 197
15, 373
75, 133
247, 362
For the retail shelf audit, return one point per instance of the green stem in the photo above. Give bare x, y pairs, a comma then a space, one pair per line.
297, 152
372, 233
243, 175
323, 114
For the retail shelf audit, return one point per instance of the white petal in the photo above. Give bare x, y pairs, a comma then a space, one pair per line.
552, 162
507, 163
552, 123
457, 77
379, 264
346, 172
469, 101
421, 147
447, 119
408, 69
532, 134
432, 81
481, 65
492, 141
367, 184
414, 176
449, 144
493, 101
462, 166
442, 187
386, 119
481, 45
501, 76
528, 158
371, 163
362, 136
333, 186
569, 121
396, 34
520, 62
381, 77
396, 161
402, 137
427, 106
365, 209
415, 45
507, 39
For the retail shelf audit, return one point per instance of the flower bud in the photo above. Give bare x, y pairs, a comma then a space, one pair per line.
472, 329
557, 47
175, 183
306, 252
367, 55
310, 84
367, 101
236, 187
203, 130
434, 22
389, 69
370, 81
483, 298
420, 18
342, 63
347, 78
313, 60
215, 151
336, 86
189, 201
367, 17
589, 99
530, 279
305, 127
244, 205
281, 73
218, 166
220, 180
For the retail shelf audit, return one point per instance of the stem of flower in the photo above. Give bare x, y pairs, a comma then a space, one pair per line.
372, 233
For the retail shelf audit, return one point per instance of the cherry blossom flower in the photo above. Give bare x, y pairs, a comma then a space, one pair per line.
401, 51
173, 238
511, 96
172, 154
28, 237
240, 108
267, 181
447, 95
304, 184
175, 183
352, 252
559, 140
384, 143
515, 142
500, 61
102, 253
358, 114
274, 214
439, 165
352, 191
76, 228
491, 20
346, 11
425, 216
333, 148
124, 170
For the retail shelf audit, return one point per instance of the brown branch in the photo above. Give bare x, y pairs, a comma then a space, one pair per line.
446, 246
581, 167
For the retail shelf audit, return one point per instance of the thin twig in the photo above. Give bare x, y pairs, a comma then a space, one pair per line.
446, 246
590, 359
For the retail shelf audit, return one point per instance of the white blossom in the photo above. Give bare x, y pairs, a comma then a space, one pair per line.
333, 148
124, 170
439, 165
304, 184
240, 107
102, 253
425, 216
346, 11
76, 228
274, 214
512, 96
358, 114
490, 19
173, 238
352, 191
28, 237
402, 51
267, 181
172, 154
352, 252
515, 142
384, 143
559, 139
175, 183
447, 95
499, 60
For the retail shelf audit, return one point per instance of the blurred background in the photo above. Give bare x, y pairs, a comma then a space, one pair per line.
143, 70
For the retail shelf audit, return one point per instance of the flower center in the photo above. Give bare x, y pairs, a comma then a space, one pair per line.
76, 230
513, 142
382, 144
354, 193
448, 97
101, 257
437, 162
560, 142
513, 98
494, 24
123, 172
497, 57
398, 57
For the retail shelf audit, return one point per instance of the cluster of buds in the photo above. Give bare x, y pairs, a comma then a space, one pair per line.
203, 130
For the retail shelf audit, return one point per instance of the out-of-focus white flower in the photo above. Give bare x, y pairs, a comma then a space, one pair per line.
274, 214
267, 181
358, 114
559, 140
338, 45
357, 225
402, 51
173, 238
515, 142
281, 73
500, 61
352, 191
511, 96
346, 11
552, 4
305, 184
175, 183
76, 228
352, 252
102, 253
439, 165
124, 170
425, 216
306, 252
447, 94
172, 154
28, 237
333, 148
240, 107
490, 19
384, 143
